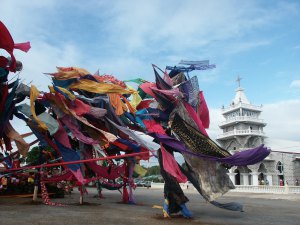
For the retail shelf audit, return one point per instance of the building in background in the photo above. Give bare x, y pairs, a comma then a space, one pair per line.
243, 129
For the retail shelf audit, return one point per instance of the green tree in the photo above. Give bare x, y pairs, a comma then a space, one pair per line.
36, 156
153, 170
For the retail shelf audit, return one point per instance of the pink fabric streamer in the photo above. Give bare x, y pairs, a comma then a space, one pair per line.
171, 166
146, 87
62, 136
79, 176
195, 117
71, 124
23, 46
172, 94
167, 79
106, 172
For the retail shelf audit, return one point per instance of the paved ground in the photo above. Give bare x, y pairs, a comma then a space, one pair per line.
260, 209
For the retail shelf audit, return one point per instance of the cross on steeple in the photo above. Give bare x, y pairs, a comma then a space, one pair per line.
239, 80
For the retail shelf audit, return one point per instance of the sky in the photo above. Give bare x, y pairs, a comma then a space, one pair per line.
256, 40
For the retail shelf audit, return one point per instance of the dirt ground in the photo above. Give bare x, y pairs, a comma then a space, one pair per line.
259, 209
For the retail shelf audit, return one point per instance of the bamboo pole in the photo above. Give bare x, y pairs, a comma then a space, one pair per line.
77, 161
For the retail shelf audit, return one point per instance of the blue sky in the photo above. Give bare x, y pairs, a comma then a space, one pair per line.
257, 40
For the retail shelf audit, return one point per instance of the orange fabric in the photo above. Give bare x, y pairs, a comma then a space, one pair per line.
21, 144
65, 73
131, 109
116, 102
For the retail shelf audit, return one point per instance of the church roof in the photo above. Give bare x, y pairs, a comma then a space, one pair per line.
240, 96
281, 145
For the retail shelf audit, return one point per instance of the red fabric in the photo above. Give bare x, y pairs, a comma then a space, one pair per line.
3, 98
195, 117
56, 178
126, 148
109, 79
153, 127
144, 104
80, 107
61, 136
170, 165
203, 111
3, 62
110, 173
16, 163
7, 142
121, 145
79, 176
125, 181
146, 88
144, 156
7, 43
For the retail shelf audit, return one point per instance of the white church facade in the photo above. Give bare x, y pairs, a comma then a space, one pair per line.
243, 129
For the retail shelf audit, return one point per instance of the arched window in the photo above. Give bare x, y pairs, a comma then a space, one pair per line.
280, 167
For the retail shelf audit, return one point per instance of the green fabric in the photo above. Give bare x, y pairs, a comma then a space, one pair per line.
137, 80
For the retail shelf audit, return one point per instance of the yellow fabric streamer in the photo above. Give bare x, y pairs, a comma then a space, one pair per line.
136, 98
140, 170
65, 73
71, 96
100, 88
34, 94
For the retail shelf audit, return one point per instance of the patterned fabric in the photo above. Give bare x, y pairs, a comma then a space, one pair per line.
191, 89
110, 79
195, 140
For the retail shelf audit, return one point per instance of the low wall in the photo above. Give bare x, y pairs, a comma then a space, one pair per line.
245, 188
267, 189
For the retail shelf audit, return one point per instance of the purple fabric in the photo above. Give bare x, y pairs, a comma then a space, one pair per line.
71, 124
248, 157
243, 158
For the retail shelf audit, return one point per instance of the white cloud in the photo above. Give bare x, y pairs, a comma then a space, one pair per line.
282, 118
125, 37
43, 58
215, 119
295, 84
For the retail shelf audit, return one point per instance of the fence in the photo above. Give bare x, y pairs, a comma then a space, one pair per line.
245, 188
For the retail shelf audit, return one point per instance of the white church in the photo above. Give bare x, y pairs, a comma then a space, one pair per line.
243, 129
